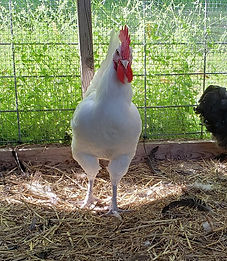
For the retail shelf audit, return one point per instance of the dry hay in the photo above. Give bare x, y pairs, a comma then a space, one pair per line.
40, 219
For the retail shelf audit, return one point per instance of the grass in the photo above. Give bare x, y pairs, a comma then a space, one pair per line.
168, 42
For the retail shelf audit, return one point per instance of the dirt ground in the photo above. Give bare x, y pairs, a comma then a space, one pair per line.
40, 218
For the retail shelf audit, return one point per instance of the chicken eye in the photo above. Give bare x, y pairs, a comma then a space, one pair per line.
117, 52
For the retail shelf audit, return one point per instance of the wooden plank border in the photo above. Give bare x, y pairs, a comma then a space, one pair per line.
53, 154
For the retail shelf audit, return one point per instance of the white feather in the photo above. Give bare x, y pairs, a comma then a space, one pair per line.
202, 186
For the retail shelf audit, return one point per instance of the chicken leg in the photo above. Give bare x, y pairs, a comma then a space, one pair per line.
91, 166
89, 199
117, 168
114, 206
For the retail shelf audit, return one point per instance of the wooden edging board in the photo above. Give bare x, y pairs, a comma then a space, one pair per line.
53, 154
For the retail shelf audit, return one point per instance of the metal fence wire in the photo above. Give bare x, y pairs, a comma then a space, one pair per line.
179, 48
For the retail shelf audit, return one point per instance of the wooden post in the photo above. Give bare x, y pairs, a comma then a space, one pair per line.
86, 43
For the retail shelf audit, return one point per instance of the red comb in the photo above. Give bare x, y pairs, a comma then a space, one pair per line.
124, 36
125, 42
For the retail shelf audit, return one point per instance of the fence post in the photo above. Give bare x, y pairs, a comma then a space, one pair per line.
86, 43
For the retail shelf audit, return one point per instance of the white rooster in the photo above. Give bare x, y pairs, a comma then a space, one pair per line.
106, 124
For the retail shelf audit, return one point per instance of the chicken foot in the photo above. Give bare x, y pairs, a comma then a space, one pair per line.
114, 210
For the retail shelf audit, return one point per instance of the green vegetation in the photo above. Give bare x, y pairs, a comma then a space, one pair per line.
168, 42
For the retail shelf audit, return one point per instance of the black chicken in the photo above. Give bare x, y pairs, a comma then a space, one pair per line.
213, 113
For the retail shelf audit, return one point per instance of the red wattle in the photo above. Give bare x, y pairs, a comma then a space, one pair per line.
129, 73
121, 72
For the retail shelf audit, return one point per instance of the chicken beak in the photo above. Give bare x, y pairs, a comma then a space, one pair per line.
125, 63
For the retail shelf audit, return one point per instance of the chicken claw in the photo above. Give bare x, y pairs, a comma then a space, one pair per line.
88, 202
116, 213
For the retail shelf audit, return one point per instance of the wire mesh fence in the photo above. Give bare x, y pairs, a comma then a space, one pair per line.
179, 48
